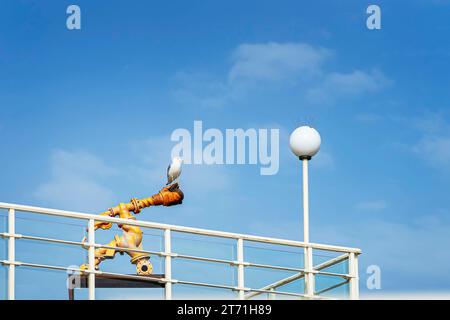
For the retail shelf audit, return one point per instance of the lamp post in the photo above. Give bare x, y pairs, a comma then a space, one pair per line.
305, 143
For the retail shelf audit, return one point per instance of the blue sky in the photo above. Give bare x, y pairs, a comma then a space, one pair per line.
86, 116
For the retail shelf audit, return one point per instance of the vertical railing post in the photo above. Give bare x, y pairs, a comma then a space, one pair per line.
91, 259
168, 265
272, 296
240, 260
11, 254
353, 272
309, 272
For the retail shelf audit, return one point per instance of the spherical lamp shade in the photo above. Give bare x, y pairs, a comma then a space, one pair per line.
305, 142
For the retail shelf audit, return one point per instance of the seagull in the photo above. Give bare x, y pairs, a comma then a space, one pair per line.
174, 170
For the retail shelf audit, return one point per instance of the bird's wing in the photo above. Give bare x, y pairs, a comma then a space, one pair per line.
169, 176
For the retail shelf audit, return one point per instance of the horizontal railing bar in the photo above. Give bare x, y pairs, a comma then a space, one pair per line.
46, 266
22, 236
268, 266
246, 264
204, 284
163, 280
260, 291
184, 256
174, 255
231, 262
300, 275
9, 235
332, 287
221, 234
334, 274
332, 262
43, 266
194, 283
137, 277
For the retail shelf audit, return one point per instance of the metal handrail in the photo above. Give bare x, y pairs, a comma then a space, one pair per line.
162, 226
350, 254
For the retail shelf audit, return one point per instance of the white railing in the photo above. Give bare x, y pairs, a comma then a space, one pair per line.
308, 273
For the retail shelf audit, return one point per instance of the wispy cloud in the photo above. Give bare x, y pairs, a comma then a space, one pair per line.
433, 147
276, 61
80, 180
337, 85
203, 90
323, 159
75, 182
295, 65
434, 150
153, 156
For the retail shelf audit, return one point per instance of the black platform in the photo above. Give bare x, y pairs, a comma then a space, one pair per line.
119, 281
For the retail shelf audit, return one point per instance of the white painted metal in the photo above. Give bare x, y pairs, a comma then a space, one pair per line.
269, 266
91, 259
168, 265
308, 273
308, 256
271, 296
300, 275
163, 254
354, 280
240, 260
286, 293
305, 202
162, 226
11, 254
332, 287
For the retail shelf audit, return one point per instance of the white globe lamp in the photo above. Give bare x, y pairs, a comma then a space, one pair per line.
305, 142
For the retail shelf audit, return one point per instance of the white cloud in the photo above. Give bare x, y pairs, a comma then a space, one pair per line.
374, 205
154, 156
431, 123
203, 90
296, 65
276, 61
337, 85
323, 159
435, 150
433, 146
74, 182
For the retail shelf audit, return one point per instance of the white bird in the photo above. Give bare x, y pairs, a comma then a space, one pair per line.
174, 170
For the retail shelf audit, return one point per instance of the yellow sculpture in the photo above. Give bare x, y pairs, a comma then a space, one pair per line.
132, 235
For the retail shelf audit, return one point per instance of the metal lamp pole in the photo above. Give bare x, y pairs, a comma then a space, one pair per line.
305, 199
308, 256
305, 143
